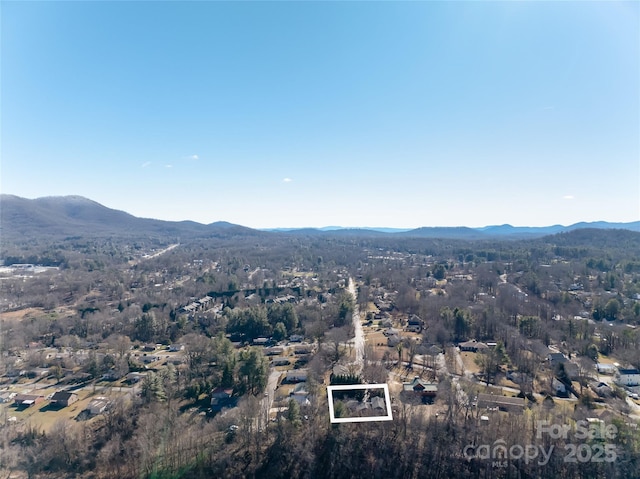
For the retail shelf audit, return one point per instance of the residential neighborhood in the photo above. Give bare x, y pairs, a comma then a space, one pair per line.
464, 338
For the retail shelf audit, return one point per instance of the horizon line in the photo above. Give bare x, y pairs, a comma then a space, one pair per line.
329, 227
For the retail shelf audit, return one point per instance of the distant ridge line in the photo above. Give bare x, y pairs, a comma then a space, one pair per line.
70, 215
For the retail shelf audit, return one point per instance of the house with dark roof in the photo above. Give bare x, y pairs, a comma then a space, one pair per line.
305, 348
296, 376
221, 393
27, 400
415, 324
63, 398
151, 358
273, 351
556, 358
135, 377
112, 375
420, 388
472, 346
222, 397
280, 362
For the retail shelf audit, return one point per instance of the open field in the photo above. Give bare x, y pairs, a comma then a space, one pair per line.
469, 361
28, 313
43, 416
21, 313
376, 340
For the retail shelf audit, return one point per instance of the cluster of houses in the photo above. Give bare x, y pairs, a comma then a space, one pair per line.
287, 298
223, 397
628, 378
414, 325
58, 400
623, 377
201, 304
295, 351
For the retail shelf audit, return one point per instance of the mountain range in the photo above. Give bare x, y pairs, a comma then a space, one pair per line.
61, 216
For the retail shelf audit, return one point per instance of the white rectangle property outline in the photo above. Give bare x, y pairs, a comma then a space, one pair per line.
347, 387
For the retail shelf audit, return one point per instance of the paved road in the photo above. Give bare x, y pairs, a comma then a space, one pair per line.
154, 255
270, 391
358, 340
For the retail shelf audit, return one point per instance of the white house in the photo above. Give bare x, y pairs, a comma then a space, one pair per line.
98, 405
628, 377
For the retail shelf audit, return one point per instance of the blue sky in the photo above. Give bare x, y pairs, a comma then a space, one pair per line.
291, 114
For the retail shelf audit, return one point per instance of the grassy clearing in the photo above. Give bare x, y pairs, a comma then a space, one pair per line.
469, 361
377, 338
371, 307
44, 417
607, 360
21, 314
503, 381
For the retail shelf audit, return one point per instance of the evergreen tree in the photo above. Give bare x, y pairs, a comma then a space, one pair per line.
253, 371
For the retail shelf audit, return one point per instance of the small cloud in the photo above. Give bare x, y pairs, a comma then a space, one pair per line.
549, 108
168, 166
146, 164
568, 197
287, 180
192, 157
